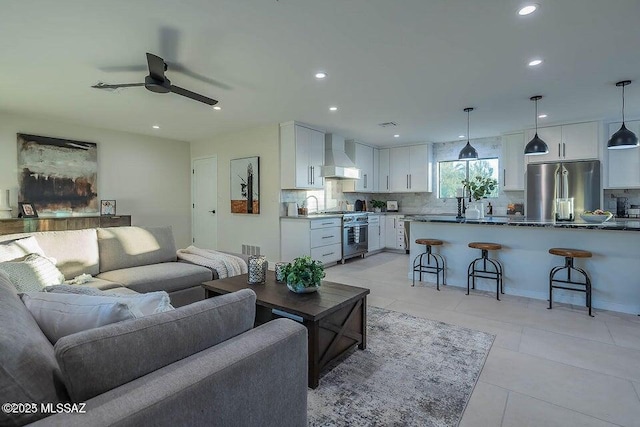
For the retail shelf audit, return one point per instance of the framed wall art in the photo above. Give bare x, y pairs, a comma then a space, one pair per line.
107, 207
27, 210
58, 175
245, 185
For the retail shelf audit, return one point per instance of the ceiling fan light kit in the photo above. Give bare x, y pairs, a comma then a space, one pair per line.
157, 82
468, 152
623, 138
536, 146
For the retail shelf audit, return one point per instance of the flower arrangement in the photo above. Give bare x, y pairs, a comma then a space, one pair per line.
304, 274
479, 187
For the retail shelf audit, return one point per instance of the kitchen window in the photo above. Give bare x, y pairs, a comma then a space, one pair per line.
451, 173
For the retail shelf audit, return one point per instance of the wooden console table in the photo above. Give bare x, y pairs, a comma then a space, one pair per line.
29, 225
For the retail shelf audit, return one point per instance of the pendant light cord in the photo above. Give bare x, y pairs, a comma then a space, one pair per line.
536, 116
623, 104
469, 136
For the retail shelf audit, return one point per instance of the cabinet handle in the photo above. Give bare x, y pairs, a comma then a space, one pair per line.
365, 180
410, 183
313, 178
327, 223
394, 223
504, 177
330, 253
407, 182
387, 182
564, 150
558, 150
328, 237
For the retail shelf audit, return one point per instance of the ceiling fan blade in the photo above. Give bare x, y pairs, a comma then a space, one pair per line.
184, 70
156, 67
107, 86
193, 95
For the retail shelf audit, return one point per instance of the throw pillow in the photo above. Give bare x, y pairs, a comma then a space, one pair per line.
15, 249
32, 273
61, 314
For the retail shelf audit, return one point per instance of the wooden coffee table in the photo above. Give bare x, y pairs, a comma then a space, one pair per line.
335, 316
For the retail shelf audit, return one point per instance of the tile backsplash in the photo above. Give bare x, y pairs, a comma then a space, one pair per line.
333, 198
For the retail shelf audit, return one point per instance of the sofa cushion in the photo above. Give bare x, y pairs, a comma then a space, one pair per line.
167, 276
32, 273
76, 251
19, 248
28, 368
99, 360
124, 247
101, 284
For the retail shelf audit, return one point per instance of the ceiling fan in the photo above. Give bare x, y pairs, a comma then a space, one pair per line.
157, 82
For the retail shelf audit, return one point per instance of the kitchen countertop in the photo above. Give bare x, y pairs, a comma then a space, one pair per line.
621, 225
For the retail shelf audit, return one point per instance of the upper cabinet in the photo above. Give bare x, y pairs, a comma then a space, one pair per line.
383, 170
513, 162
362, 156
567, 142
301, 156
410, 169
623, 166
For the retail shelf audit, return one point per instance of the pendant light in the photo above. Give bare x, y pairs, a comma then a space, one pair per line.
536, 146
468, 152
624, 138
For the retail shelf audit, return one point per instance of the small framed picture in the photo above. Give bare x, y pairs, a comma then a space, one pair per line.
27, 210
107, 207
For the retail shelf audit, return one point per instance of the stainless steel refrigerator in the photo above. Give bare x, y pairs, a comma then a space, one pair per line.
548, 181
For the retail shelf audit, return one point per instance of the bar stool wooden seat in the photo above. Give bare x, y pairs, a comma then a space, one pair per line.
569, 255
497, 272
435, 264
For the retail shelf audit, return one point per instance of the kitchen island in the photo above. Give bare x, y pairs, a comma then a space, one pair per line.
614, 268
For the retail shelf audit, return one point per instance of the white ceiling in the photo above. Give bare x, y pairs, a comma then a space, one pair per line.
415, 62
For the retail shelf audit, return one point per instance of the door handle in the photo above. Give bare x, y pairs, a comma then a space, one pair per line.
213, 211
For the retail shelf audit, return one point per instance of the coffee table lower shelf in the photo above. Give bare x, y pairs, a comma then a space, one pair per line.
335, 316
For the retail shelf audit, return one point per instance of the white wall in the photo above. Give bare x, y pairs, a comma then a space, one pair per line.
148, 177
235, 229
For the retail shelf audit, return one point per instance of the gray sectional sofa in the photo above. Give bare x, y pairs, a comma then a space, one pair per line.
140, 259
198, 365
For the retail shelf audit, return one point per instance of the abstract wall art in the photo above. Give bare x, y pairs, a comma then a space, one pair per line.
245, 185
58, 176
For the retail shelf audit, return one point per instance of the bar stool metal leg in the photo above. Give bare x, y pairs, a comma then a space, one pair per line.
569, 266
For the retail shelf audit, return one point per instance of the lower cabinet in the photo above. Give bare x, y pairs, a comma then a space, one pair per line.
374, 236
394, 234
321, 239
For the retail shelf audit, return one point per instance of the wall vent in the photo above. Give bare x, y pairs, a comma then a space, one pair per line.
250, 250
387, 124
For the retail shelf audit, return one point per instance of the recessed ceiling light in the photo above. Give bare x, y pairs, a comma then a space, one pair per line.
542, 116
528, 9
217, 108
535, 62
333, 108
461, 136
155, 127
396, 136
321, 75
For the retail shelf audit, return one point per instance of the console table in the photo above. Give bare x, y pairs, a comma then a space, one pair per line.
30, 225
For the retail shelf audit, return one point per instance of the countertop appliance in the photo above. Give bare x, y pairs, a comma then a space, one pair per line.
621, 207
547, 182
392, 206
361, 205
354, 234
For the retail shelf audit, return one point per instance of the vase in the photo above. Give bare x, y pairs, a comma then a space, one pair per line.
299, 288
257, 269
377, 210
480, 207
280, 269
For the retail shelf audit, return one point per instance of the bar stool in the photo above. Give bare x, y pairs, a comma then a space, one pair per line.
439, 267
569, 255
473, 272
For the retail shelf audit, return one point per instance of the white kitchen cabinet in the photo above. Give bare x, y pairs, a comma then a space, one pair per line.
577, 141
362, 156
373, 233
376, 170
320, 238
513, 162
301, 156
410, 169
623, 166
383, 170
394, 233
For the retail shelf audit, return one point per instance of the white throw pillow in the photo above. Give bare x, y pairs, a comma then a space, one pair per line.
60, 314
19, 248
32, 273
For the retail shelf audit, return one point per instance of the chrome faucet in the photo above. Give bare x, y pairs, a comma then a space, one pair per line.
304, 203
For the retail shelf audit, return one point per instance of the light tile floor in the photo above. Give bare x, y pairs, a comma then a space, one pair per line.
546, 367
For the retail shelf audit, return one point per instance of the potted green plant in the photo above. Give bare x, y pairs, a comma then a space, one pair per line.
479, 187
304, 275
378, 205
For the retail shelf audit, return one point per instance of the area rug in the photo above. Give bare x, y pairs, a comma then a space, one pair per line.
414, 372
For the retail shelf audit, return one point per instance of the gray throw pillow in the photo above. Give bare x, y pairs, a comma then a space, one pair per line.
60, 314
32, 273
19, 248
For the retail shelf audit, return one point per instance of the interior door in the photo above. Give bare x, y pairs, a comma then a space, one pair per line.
205, 201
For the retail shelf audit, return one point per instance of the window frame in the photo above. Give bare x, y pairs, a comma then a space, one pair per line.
466, 169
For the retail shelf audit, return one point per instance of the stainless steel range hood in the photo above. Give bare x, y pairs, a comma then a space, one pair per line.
337, 165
